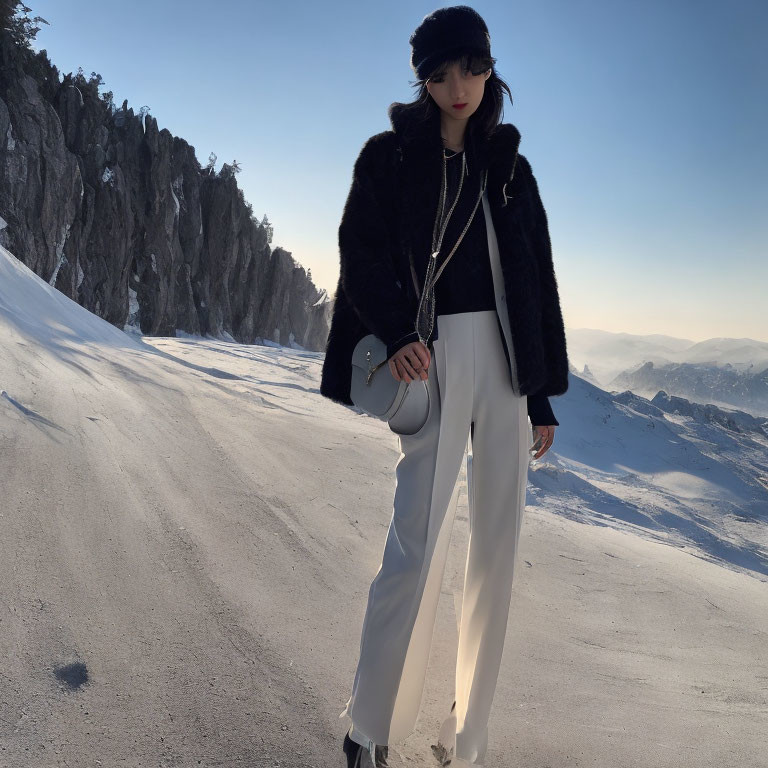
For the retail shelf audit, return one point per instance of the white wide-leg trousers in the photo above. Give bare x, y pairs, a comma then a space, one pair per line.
470, 395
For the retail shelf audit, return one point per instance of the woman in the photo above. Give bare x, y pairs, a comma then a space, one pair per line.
490, 346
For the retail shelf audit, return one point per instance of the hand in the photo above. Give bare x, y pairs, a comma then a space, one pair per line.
543, 436
410, 362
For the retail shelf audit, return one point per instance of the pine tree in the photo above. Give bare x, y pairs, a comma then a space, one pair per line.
21, 28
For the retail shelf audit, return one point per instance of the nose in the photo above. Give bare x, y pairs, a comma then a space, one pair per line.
458, 89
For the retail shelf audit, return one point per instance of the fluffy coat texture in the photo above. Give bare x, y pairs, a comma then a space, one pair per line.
385, 239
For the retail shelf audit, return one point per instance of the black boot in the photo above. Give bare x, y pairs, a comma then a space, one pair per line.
359, 756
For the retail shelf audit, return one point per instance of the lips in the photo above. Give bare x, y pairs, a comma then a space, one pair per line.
459, 106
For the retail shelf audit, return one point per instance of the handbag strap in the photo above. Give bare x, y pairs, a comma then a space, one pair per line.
427, 296
427, 299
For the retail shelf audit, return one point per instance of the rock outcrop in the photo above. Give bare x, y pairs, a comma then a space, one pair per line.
121, 217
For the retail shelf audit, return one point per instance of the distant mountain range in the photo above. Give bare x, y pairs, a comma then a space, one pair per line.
731, 373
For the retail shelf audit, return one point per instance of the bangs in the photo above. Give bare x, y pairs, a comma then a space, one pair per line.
476, 63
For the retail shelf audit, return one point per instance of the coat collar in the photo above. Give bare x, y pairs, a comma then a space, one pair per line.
421, 146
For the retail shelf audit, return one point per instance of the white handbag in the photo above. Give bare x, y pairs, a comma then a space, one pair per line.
405, 405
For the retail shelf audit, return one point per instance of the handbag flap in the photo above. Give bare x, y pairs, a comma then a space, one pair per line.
368, 352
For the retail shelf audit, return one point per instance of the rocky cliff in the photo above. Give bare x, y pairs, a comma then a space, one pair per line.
122, 218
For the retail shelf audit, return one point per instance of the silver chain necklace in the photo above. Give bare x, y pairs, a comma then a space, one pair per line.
424, 327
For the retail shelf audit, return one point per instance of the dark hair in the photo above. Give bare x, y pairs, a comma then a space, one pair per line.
486, 117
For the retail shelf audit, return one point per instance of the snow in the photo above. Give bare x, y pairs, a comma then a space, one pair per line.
61, 259
324, 298
176, 205
132, 321
34, 310
193, 522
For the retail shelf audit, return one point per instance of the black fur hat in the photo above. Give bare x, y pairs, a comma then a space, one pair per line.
445, 33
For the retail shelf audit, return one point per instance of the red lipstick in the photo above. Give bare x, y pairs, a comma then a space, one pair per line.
459, 106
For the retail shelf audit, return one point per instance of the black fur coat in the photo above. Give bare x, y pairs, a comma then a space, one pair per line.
389, 216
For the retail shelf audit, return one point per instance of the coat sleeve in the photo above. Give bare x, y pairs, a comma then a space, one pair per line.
367, 272
540, 411
553, 328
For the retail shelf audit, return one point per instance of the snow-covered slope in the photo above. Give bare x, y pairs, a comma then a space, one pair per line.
28, 305
684, 479
189, 531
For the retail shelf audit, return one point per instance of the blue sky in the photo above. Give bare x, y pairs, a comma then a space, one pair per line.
646, 124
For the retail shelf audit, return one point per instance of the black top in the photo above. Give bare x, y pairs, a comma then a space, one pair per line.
466, 284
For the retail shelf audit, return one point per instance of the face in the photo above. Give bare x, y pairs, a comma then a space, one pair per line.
456, 84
